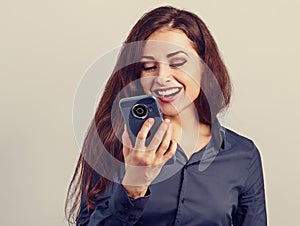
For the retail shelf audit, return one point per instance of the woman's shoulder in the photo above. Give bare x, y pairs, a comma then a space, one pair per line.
241, 152
234, 141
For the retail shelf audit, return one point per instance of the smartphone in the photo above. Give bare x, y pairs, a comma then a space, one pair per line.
136, 110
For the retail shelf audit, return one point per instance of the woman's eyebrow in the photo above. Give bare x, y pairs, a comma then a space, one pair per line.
168, 55
148, 57
177, 52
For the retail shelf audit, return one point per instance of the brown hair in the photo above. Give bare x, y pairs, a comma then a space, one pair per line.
208, 102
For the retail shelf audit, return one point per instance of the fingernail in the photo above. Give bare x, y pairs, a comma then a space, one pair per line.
167, 120
151, 120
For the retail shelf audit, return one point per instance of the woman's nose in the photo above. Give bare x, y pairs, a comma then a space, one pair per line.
164, 73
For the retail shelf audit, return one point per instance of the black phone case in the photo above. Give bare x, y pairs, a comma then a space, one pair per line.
133, 123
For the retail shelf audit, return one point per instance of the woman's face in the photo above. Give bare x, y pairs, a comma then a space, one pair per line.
171, 70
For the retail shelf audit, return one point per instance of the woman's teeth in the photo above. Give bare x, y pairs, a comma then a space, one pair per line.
168, 92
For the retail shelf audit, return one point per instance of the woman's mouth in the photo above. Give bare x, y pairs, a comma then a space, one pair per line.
167, 95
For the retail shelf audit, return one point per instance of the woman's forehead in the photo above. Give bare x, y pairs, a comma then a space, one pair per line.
166, 49
167, 41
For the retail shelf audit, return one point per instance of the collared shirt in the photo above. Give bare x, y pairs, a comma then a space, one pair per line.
222, 184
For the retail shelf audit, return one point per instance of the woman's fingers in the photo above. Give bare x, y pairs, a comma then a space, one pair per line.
165, 142
159, 135
142, 134
126, 141
170, 152
161, 148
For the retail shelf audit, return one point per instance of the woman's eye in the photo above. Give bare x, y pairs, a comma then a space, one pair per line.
149, 66
177, 63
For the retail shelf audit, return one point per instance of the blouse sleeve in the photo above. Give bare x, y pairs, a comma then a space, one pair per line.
251, 208
113, 207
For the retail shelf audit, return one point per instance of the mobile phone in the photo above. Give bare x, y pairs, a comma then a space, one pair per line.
136, 110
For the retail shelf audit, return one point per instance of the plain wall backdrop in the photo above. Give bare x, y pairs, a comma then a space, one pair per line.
46, 46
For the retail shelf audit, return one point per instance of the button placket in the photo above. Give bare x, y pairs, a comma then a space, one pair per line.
181, 195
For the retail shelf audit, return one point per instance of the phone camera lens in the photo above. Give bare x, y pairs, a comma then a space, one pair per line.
140, 111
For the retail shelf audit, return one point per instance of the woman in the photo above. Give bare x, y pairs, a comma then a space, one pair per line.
194, 172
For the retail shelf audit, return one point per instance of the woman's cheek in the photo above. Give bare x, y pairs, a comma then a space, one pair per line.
147, 83
191, 87
193, 72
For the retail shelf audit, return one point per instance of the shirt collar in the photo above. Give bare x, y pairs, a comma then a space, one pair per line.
218, 134
217, 143
208, 153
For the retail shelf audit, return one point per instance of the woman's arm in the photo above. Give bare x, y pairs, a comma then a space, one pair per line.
113, 207
123, 204
251, 209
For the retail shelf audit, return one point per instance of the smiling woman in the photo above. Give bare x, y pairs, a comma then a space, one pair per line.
194, 171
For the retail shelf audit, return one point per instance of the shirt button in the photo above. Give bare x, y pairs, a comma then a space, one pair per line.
132, 217
182, 200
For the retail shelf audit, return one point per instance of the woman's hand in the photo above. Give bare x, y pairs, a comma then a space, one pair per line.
143, 164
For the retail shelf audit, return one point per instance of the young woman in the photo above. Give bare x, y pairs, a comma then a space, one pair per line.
194, 171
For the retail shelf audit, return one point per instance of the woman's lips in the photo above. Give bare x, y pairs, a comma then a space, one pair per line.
167, 95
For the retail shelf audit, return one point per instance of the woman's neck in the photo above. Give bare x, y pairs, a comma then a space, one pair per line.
189, 133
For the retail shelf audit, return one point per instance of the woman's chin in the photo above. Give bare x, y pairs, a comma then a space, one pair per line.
169, 110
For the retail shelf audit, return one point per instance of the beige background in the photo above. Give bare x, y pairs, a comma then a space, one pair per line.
47, 45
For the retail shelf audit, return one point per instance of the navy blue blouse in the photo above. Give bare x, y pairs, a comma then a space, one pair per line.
220, 185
